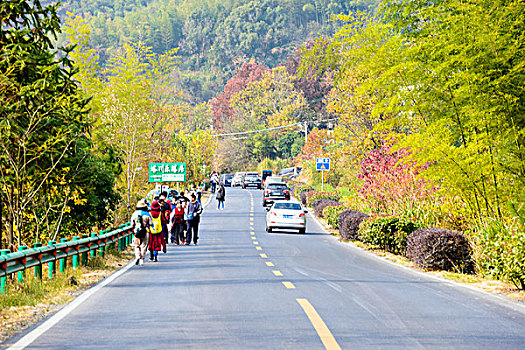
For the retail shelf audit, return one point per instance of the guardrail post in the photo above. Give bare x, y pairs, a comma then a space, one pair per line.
101, 249
84, 256
3, 279
75, 257
92, 251
38, 268
21, 274
63, 261
51, 265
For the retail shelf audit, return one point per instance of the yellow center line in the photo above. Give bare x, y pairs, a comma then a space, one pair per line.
322, 330
277, 273
258, 248
264, 256
289, 285
254, 237
252, 233
256, 243
269, 263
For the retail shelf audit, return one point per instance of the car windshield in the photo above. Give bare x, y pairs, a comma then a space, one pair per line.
228, 176
289, 206
252, 176
277, 187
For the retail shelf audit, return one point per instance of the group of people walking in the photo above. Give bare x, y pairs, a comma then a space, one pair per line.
165, 222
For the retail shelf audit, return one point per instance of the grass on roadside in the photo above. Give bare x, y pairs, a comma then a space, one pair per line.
26, 303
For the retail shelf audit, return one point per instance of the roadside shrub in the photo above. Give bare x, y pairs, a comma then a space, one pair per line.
312, 196
387, 232
331, 214
302, 196
349, 221
499, 251
435, 248
320, 204
297, 189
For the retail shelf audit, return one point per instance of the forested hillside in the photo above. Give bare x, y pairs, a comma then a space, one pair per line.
214, 36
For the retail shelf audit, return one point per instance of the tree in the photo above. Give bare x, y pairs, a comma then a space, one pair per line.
43, 115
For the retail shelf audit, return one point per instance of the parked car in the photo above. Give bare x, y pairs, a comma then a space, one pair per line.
272, 179
252, 180
237, 178
226, 179
275, 191
286, 215
264, 175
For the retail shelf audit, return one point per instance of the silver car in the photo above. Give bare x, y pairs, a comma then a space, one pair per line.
286, 215
237, 178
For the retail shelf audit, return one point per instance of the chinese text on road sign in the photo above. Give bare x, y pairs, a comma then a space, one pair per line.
323, 164
167, 172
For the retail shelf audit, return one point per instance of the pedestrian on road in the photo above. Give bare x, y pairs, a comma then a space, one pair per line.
156, 238
199, 194
214, 181
165, 209
177, 224
192, 216
141, 224
221, 195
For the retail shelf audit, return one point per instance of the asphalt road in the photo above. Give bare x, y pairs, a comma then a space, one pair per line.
243, 288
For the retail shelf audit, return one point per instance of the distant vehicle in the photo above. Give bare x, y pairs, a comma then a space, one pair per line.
273, 179
226, 179
251, 180
237, 178
275, 191
291, 172
264, 175
286, 215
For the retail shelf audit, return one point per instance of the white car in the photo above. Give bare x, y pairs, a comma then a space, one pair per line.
237, 179
286, 215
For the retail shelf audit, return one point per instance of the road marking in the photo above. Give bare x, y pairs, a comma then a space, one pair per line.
322, 330
269, 263
264, 256
258, 248
277, 273
254, 237
251, 223
255, 242
252, 233
53, 320
289, 285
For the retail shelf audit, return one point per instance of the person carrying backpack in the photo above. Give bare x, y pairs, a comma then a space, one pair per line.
221, 196
141, 223
165, 209
177, 223
192, 216
156, 238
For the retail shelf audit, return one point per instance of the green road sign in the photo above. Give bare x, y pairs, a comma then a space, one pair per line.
167, 172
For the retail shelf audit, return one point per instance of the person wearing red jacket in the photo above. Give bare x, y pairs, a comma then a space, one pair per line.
156, 239
177, 224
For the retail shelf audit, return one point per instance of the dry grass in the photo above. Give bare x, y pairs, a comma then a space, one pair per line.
26, 304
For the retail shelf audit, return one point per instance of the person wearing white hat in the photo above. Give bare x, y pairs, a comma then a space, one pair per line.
141, 223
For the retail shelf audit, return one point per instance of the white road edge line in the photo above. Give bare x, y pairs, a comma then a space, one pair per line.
501, 299
29, 338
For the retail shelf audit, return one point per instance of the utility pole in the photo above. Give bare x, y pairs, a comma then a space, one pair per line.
305, 132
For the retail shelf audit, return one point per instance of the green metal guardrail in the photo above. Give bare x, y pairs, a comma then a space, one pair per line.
80, 249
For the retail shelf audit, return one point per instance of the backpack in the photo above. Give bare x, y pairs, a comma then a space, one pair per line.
139, 231
157, 225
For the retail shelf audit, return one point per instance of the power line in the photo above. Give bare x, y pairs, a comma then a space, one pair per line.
255, 131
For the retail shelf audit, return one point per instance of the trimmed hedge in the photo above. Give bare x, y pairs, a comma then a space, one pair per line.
434, 248
312, 196
348, 222
387, 232
331, 214
320, 204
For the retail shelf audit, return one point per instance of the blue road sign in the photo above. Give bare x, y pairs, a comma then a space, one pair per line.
323, 164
